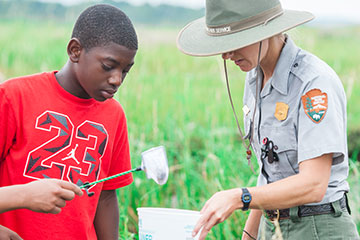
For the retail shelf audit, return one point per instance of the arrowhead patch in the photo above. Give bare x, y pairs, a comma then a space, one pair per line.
315, 104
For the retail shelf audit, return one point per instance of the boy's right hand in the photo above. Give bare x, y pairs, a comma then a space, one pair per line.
49, 195
7, 234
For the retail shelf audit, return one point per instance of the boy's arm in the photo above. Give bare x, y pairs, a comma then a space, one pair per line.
45, 195
106, 220
252, 224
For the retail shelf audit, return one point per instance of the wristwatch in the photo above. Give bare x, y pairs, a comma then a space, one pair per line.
245, 198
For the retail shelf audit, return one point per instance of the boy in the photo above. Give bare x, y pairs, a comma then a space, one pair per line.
65, 125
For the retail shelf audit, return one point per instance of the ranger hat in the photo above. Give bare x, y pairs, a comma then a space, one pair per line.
232, 24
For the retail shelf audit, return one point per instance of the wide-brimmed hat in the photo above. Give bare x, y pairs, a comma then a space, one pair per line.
232, 24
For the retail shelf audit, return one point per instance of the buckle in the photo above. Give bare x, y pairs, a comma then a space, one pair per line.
273, 215
277, 216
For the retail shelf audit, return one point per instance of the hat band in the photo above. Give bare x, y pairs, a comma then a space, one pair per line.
262, 18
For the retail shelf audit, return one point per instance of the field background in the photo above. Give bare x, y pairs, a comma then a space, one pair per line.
181, 102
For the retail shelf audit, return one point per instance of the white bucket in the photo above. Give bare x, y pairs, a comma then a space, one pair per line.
167, 224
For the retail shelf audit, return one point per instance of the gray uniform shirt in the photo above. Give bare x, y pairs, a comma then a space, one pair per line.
312, 110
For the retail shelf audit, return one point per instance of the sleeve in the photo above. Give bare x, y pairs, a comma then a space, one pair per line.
7, 125
120, 161
261, 181
322, 120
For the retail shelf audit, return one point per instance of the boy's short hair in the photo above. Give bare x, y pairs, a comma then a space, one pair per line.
102, 24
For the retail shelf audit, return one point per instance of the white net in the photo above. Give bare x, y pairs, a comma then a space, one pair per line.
155, 164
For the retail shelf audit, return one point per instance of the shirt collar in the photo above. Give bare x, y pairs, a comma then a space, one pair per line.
279, 80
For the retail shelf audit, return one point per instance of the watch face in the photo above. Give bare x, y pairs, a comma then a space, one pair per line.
246, 197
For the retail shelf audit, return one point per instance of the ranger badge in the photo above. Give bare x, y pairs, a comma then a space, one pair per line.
281, 111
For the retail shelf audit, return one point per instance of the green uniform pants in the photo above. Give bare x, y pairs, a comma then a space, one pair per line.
333, 226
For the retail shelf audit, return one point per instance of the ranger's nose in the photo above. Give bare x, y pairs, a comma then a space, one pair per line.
227, 55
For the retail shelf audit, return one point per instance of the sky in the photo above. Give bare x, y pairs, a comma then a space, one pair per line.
347, 10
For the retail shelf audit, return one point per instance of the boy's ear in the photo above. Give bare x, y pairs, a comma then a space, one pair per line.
74, 49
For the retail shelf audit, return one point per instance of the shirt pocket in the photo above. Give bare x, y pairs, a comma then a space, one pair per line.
284, 138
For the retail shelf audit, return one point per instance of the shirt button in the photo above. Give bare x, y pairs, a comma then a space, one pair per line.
296, 65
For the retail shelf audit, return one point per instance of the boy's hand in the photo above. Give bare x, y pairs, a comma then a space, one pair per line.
49, 195
7, 234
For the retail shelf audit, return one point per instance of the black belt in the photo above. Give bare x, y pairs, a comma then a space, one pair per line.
304, 211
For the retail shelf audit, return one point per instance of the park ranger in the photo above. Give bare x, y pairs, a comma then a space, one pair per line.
294, 118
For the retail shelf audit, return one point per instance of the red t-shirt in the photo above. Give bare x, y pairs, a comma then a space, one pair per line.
45, 132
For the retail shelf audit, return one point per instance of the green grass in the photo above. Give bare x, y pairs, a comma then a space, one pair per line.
181, 102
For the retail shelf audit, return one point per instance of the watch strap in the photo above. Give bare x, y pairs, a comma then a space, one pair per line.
246, 199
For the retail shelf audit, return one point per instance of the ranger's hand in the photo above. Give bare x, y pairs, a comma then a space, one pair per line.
49, 195
218, 208
7, 234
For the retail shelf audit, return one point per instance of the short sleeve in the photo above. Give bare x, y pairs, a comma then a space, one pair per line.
120, 161
261, 180
322, 120
7, 125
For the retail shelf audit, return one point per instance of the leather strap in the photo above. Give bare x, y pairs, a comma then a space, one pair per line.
305, 211
247, 146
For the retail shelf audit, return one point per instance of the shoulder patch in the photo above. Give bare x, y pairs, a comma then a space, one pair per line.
315, 104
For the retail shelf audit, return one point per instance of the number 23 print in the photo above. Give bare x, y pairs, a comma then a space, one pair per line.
73, 154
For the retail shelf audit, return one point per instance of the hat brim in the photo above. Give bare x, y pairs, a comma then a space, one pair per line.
193, 39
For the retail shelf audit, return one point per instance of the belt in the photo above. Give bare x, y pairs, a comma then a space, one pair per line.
305, 211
